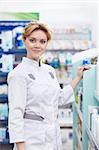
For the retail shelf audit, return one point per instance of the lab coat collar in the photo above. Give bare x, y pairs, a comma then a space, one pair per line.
31, 61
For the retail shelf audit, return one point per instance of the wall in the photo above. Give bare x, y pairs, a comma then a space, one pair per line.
59, 14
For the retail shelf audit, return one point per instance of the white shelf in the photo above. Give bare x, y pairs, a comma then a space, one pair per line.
79, 112
91, 137
75, 147
65, 49
78, 139
66, 122
96, 96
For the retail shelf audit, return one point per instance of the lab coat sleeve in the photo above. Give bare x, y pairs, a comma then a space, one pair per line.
17, 102
66, 95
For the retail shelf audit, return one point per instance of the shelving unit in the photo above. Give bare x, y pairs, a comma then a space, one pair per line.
78, 139
3, 98
78, 111
14, 51
66, 123
89, 99
96, 96
91, 138
6, 26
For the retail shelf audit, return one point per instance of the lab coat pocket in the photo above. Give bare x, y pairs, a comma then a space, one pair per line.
34, 131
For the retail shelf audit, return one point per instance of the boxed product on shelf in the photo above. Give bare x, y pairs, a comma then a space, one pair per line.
6, 42
79, 98
17, 37
65, 117
2, 134
67, 138
90, 105
3, 89
7, 62
65, 113
93, 121
3, 111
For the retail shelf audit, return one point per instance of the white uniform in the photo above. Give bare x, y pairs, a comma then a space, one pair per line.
34, 89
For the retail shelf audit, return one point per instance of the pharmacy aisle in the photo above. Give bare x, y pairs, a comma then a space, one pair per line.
74, 32
86, 107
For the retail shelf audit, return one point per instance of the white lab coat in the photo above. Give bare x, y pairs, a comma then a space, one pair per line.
34, 89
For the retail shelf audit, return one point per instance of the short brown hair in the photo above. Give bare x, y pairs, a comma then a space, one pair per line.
33, 26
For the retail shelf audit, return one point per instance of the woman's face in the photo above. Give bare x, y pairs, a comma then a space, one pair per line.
36, 44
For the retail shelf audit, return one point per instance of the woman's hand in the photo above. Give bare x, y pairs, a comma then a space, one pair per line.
79, 76
80, 71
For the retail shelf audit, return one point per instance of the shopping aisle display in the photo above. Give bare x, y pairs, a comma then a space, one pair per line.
11, 47
65, 118
67, 138
86, 107
65, 43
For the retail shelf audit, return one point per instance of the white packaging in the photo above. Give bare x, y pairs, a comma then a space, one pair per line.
3, 89
6, 40
17, 37
90, 113
97, 130
3, 111
97, 78
95, 125
2, 134
7, 62
94, 116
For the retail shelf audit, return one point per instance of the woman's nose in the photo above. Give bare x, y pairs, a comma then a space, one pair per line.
37, 44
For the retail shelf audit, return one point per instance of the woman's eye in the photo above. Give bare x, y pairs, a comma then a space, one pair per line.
43, 41
32, 40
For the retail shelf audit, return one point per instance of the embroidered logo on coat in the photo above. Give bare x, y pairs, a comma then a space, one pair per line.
51, 74
31, 76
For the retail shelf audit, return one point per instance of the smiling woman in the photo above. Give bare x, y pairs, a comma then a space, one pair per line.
35, 38
34, 95
36, 44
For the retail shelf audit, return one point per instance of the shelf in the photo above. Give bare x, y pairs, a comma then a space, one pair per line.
96, 96
4, 82
9, 25
78, 139
5, 141
13, 22
64, 50
72, 36
79, 112
3, 74
13, 51
91, 137
4, 122
23, 51
66, 123
3, 98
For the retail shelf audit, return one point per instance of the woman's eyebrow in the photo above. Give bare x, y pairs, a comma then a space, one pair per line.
37, 39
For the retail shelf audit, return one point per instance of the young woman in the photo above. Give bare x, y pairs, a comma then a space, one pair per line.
34, 95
